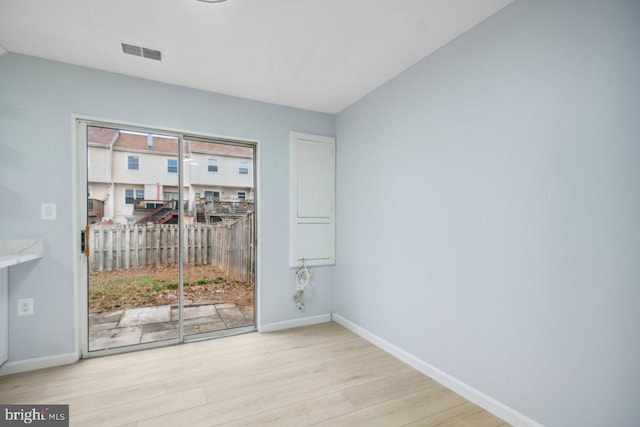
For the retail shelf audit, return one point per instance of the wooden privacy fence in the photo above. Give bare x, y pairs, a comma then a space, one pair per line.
227, 247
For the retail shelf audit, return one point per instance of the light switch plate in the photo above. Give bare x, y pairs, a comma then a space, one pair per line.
49, 211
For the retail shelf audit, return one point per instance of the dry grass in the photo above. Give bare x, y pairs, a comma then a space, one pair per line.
143, 287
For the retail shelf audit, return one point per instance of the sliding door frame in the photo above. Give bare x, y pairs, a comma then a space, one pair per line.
79, 218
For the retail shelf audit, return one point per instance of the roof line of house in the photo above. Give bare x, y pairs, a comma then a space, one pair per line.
115, 138
222, 154
136, 150
98, 145
165, 153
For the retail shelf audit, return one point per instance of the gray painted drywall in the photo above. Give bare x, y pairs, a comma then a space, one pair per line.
488, 210
37, 99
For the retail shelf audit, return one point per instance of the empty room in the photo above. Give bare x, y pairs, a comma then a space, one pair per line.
320, 213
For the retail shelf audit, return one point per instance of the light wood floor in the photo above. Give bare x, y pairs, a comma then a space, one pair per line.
321, 375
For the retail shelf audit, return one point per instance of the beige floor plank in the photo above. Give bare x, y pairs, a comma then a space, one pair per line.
375, 363
239, 407
128, 412
248, 367
80, 396
100, 380
269, 381
91, 371
299, 414
316, 375
114, 397
399, 411
387, 388
465, 415
175, 358
358, 364
247, 385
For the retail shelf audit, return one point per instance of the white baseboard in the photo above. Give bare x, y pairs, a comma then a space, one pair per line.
486, 402
38, 363
294, 323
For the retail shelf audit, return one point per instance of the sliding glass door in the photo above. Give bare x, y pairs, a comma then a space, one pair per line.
169, 237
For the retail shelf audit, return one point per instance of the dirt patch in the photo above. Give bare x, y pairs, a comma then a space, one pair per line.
143, 287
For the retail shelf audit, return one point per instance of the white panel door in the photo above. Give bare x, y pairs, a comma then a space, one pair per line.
315, 242
315, 179
312, 200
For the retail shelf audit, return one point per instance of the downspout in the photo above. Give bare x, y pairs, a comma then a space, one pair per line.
190, 193
112, 189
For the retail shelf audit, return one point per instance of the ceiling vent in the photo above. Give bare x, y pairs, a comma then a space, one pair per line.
143, 52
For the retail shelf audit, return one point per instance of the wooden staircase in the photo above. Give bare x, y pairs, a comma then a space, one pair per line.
160, 215
166, 217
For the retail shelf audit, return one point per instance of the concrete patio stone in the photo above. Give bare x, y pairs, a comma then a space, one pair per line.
247, 312
206, 302
225, 305
144, 315
106, 317
232, 317
210, 327
155, 327
150, 324
191, 329
195, 311
117, 337
103, 326
201, 320
160, 335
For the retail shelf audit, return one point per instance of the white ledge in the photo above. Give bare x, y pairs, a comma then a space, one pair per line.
14, 252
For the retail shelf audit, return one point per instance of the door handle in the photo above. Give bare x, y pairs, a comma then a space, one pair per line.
84, 241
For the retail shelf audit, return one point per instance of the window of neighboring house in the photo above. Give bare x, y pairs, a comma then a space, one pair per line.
242, 195
130, 220
129, 194
210, 195
133, 163
212, 165
172, 165
89, 192
243, 167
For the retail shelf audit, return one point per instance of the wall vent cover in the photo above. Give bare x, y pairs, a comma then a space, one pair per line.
143, 52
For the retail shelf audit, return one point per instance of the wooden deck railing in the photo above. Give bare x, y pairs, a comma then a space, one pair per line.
95, 209
229, 209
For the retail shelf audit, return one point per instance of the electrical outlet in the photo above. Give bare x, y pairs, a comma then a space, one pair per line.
25, 307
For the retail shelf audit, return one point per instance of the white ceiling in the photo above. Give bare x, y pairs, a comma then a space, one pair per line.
319, 55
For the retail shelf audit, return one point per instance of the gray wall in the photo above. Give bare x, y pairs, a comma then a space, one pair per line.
37, 98
510, 256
